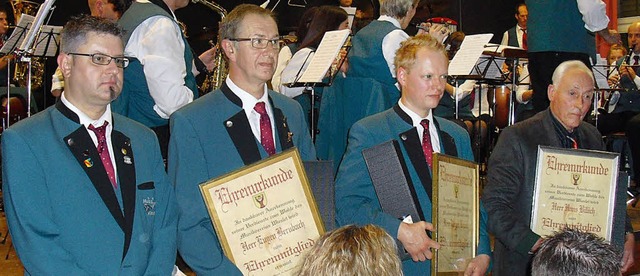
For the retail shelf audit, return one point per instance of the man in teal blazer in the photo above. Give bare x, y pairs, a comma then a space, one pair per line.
220, 132
68, 213
421, 70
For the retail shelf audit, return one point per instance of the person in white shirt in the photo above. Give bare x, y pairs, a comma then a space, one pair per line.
516, 36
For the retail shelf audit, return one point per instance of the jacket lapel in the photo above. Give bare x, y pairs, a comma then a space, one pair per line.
446, 140
123, 155
81, 146
282, 128
412, 144
239, 130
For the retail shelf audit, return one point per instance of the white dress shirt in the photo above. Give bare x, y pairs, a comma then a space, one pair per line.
391, 42
294, 70
157, 43
85, 120
594, 14
248, 103
283, 59
416, 119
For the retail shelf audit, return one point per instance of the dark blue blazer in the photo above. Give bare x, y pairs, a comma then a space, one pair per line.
356, 200
63, 213
211, 137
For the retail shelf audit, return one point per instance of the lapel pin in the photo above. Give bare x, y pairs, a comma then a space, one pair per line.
88, 162
229, 123
127, 160
289, 136
124, 151
85, 153
70, 141
403, 137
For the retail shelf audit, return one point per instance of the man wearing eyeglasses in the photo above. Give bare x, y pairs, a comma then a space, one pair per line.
161, 78
236, 125
84, 188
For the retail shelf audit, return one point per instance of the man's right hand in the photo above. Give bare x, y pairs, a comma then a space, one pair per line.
610, 36
415, 240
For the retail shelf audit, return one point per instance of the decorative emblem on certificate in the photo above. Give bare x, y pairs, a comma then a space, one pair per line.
455, 213
577, 189
264, 214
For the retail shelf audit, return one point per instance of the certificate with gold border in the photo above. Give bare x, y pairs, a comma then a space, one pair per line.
576, 189
455, 213
264, 214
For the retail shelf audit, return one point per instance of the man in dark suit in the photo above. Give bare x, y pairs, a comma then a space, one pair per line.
421, 66
237, 125
512, 166
85, 189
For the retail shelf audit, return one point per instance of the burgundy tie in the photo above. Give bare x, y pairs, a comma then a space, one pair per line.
524, 39
103, 150
635, 60
426, 142
266, 135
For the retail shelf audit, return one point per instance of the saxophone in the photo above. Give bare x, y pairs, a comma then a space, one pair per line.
214, 79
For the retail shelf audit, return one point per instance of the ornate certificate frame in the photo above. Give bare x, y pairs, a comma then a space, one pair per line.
264, 214
455, 217
575, 188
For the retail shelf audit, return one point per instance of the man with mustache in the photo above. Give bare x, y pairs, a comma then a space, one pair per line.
512, 166
236, 125
85, 189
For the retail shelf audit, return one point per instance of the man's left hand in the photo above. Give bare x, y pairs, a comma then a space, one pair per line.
478, 266
208, 58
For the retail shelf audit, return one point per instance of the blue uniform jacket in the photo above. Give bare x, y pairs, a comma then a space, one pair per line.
211, 137
356, 200
62, 210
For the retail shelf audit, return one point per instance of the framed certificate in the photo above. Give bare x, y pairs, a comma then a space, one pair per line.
264, 214
455, 213
576, 189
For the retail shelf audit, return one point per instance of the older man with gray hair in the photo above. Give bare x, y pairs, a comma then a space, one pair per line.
508, 193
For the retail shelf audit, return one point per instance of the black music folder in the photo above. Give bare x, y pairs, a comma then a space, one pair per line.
392, 184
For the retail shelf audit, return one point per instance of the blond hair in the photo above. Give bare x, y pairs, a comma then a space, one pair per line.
406, 54
352, 250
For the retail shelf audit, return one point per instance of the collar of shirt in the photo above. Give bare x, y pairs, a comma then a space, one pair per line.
416, 119
563, 134
248, 103
86, 120
387, 18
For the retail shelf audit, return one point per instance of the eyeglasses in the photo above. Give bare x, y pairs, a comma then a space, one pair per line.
262, 43
102, 59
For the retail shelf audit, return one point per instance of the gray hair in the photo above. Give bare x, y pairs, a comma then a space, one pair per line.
566, 66
397, 8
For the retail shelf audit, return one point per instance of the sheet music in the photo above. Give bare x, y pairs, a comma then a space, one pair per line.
18, 34
498, 48
48, 41
600, 72
326, 53
470, 50
351, 13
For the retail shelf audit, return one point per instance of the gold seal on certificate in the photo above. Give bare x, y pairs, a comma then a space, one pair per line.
455, 213
575, 189
264, 214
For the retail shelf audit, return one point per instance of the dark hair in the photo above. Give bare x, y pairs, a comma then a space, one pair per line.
454, 41
120, 6
326, 18
305, 21
74, 33
573, 252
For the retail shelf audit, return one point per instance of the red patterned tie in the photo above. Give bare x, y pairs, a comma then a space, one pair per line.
266, 135
426, 142
524, 39
635, 60
103, 150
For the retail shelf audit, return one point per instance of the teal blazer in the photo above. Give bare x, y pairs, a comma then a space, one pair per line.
211, 137
63, 214
356, 200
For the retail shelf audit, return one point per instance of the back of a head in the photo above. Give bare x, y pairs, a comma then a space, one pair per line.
396, 8
352, 250
326, 18
573, 252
